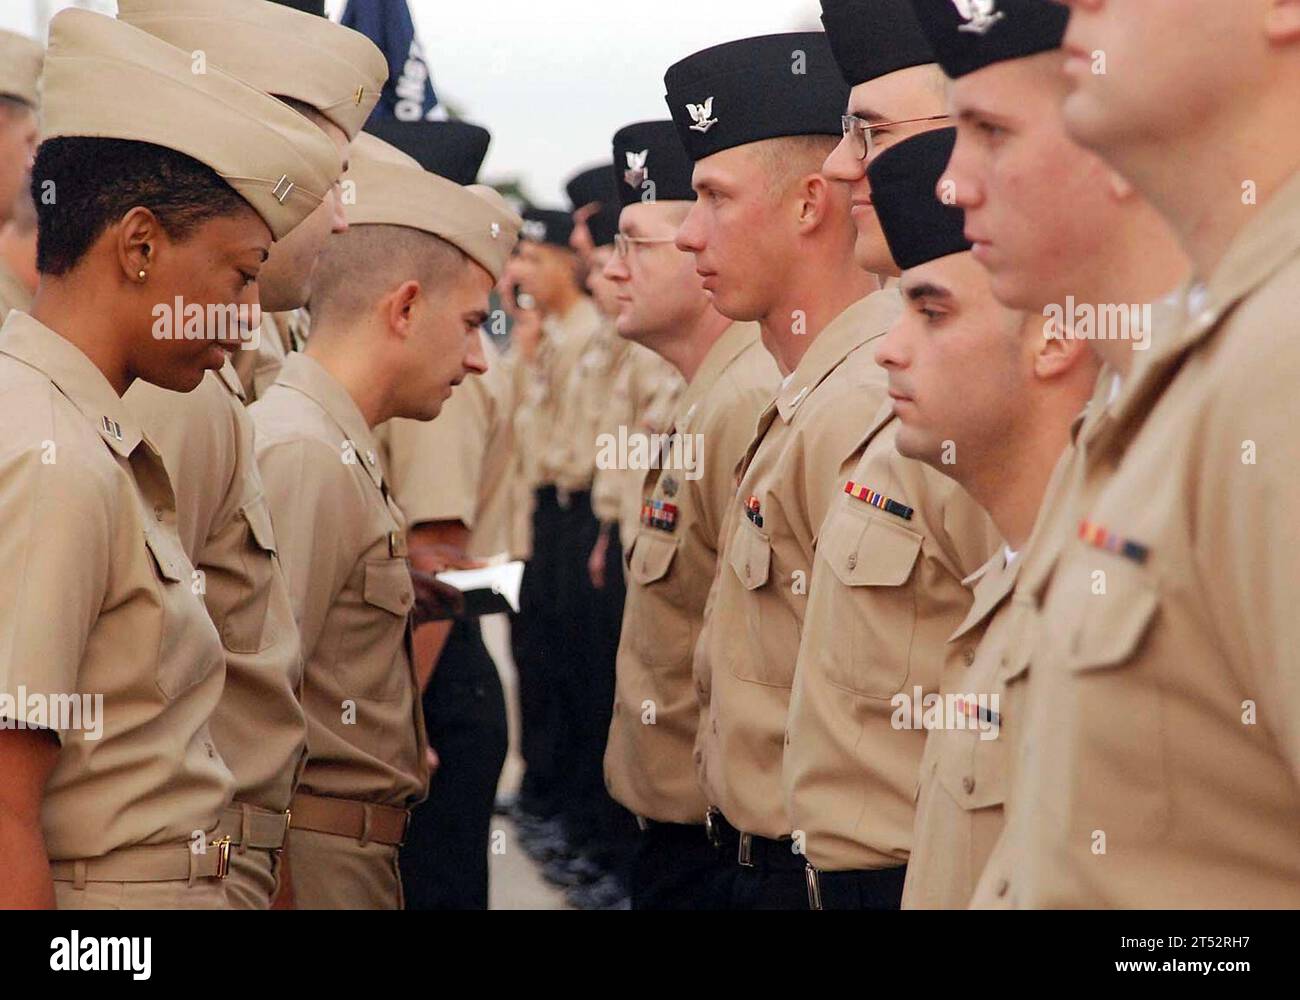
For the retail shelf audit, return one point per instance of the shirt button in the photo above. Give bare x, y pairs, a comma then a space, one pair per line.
853, 560
158, 513
715, 727
970, 657
748, 573
1003, 886
968, 783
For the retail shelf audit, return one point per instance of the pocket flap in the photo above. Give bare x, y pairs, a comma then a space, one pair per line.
166, 556
259, 523
388, 585
871, 553
652, 555
751, 555
1112, 636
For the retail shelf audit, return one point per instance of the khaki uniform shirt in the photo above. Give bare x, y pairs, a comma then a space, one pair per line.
648, 761
886, 593
13, 293
966, 777
96, 599
455, 468
642, 401
1161, 763
342, 542
206, 441
539, 389
258, 367
745, 658
583, 404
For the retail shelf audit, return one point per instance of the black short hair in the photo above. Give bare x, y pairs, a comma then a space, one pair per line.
81, 186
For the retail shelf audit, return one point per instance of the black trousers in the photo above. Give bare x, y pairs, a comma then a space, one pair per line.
444, 861
535, 642
674, 867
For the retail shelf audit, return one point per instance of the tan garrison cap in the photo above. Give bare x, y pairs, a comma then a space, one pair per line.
105, 79
338, 71
393, 189
20, 66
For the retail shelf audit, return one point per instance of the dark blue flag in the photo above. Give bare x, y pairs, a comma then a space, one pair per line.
408, 95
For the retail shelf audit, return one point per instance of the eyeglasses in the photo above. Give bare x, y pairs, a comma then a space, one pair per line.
860, 133
623, 244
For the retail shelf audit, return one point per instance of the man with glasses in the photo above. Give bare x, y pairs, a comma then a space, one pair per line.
648, 763
893, 549
897, 91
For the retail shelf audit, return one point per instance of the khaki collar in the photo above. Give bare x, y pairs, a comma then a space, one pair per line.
74, 375
230, 377
306, 375
1262, 247
734, 340
865, 320
1260, 250
993, 582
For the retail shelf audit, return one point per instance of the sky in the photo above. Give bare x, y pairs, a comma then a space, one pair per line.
553, 79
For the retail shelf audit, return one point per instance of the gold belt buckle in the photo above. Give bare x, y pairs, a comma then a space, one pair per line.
814, 887
223, 856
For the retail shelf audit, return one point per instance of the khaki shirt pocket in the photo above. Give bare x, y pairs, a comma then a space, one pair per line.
750, 555
1119, 713
370, 652
184, 654
242, 613
874, 602
388, 585
660, 634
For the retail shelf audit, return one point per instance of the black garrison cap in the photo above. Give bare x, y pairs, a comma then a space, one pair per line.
592, 184
450, 149
759, 88
872, 38
917, 225
603, 225
968, 35
650, 163
547, 225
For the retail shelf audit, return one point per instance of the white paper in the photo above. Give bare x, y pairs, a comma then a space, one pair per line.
501, 578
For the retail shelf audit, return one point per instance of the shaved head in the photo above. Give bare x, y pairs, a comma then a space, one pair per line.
359, 266
789, 158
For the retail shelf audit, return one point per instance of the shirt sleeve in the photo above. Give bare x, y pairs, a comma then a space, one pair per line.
60, 519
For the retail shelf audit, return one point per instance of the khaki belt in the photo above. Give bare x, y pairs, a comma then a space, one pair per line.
366, 822
163, 863
253, 827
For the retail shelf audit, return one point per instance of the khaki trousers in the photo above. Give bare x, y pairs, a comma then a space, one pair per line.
330, 872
